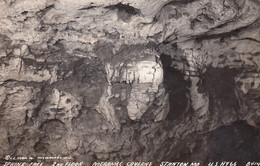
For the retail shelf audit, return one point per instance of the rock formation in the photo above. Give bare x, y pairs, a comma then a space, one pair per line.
130, 80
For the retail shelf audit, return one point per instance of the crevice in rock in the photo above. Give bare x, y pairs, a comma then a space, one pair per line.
42, 12
180, 2
87, 8
124, 7
125, 11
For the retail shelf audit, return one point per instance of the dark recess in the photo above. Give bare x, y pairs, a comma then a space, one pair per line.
220, 84
127, 8
237, 142
180, 2
124, 11
176, 87
42, 12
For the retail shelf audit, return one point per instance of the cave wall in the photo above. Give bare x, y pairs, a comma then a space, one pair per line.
130, 80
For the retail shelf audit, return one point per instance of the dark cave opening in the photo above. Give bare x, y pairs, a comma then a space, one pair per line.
222, 91
177, 88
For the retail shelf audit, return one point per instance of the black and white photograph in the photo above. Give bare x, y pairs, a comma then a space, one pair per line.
129, 82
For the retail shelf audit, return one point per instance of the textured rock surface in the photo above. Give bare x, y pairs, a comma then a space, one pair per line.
130, 80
